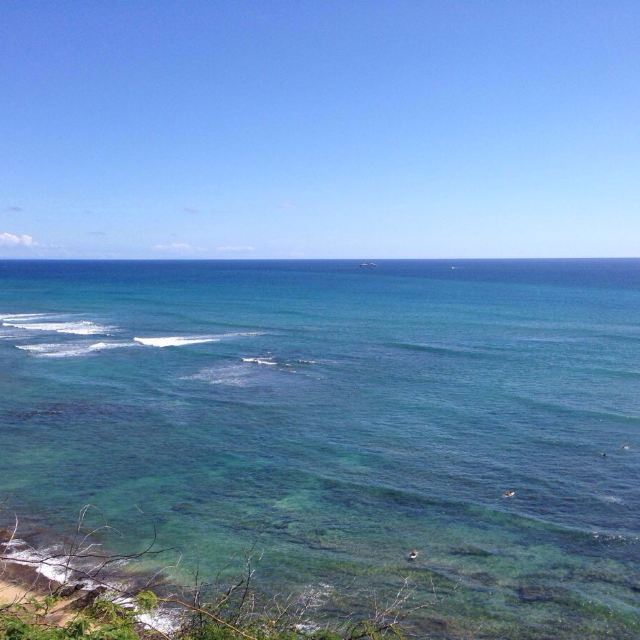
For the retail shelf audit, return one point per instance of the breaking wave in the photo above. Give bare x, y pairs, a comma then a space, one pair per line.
21, 316
266, 361
48, 562
69, 349
81, 328
54, 323
175, 341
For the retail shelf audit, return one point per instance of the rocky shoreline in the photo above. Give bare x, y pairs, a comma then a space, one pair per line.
28, 572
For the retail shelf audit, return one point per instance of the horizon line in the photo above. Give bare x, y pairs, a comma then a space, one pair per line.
176, 259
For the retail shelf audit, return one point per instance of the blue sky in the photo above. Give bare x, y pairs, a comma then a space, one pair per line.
360, 129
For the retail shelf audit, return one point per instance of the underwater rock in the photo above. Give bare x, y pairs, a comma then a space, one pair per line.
533, 594
184, 507
470, 550
484, 578
541, 593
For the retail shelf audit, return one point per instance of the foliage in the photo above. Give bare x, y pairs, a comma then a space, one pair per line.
146, 601
107, 620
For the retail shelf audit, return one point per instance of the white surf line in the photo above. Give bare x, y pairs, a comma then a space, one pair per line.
174, 341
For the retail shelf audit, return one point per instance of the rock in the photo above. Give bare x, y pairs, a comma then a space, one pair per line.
67, 590
88, 598
5, 535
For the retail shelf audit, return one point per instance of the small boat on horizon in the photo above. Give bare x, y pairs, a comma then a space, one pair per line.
368, 265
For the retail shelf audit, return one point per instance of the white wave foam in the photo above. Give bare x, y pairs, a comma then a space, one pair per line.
162, 619
14, 542
10, 335
103, 346
70, 349
265, 361
236, 375
315, 596
47, 562
54, 350
21, 316
611, 499
81, 327
241, 334
175, 341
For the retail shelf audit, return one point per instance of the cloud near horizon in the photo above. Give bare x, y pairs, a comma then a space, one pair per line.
13, 240
235, 248
176, 247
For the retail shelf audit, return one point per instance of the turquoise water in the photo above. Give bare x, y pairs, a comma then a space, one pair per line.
335, 417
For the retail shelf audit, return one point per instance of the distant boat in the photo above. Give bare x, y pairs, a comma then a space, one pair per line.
368, 265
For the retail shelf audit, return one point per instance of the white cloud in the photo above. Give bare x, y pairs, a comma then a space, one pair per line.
235, 248
176, 247
12, 240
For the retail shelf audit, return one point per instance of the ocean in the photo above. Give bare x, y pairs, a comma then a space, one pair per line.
331, 418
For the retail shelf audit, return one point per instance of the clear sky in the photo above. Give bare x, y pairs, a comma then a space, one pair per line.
363, 129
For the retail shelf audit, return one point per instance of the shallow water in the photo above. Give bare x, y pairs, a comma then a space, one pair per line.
334, 418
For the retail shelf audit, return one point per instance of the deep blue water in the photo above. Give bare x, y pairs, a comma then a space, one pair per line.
336, 417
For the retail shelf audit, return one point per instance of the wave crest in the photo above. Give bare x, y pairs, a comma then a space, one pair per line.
81, 327
175, 341
69, 349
